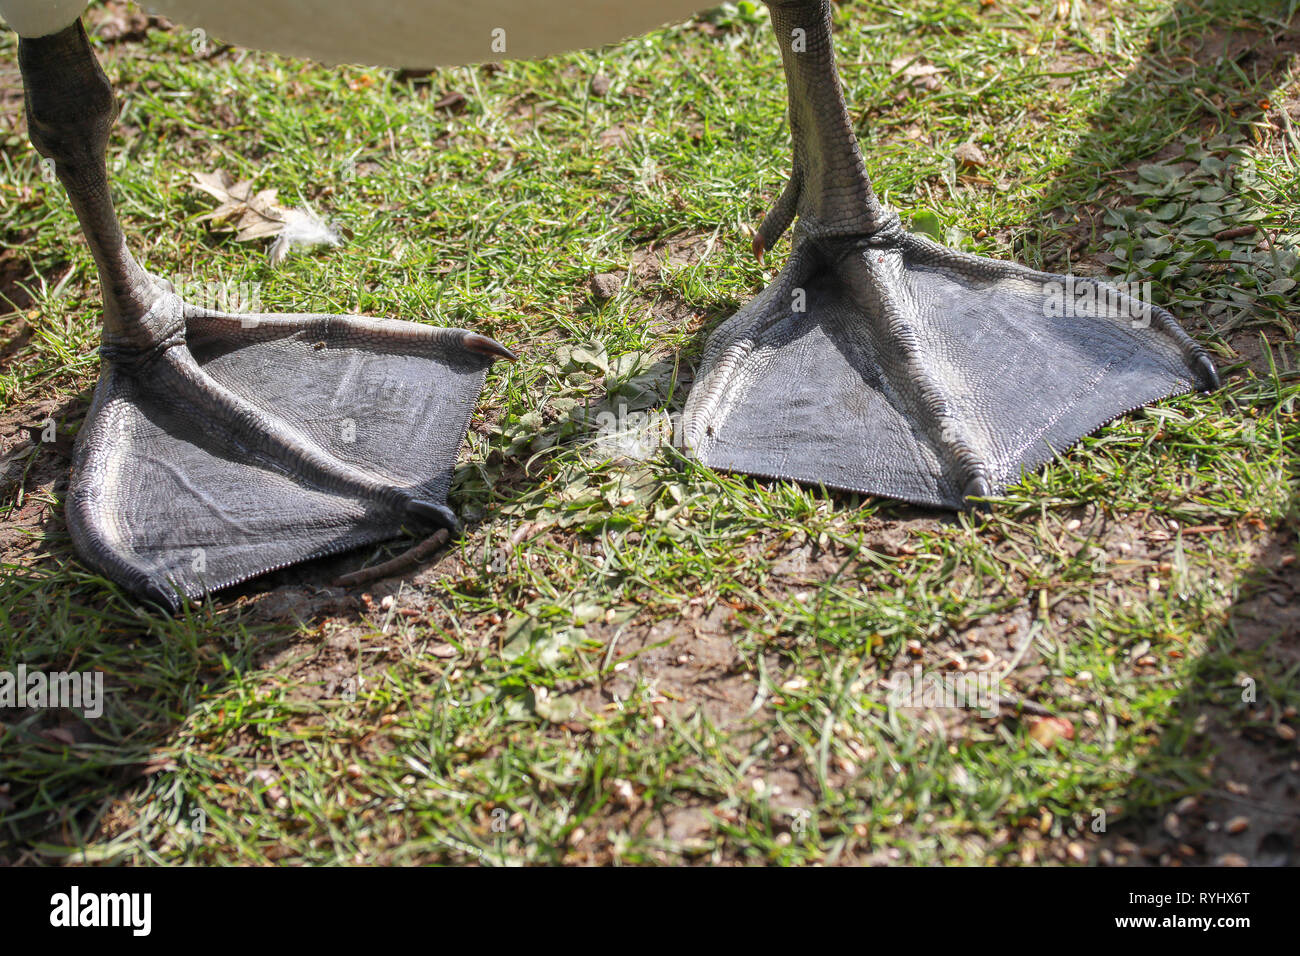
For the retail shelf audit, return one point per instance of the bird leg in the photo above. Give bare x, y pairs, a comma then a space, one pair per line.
220, 446
881, 362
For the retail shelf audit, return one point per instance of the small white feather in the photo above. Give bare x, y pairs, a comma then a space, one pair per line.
302, 227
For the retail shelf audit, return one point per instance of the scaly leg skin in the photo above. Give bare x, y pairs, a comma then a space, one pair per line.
219, 447
884, 363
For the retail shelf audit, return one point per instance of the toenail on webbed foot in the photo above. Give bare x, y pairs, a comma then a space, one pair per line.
1209, 375
164, 595
434, 513
976, 488
487, 346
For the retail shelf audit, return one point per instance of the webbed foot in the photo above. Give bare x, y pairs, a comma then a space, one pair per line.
244, 443
894, 366
882, 362
219, 446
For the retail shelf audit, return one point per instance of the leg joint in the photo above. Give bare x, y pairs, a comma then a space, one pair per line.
70, 102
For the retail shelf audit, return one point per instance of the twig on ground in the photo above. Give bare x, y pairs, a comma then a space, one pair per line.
407, 559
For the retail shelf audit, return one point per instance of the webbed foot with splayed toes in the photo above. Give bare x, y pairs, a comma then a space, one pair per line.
222, 446
882, 362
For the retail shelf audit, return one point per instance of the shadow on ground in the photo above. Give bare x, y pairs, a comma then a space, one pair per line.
1235, 800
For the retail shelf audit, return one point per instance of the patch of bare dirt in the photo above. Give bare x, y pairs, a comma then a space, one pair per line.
1248, 344
35, 453
689, 662
1246, 743
119, 21
650, 262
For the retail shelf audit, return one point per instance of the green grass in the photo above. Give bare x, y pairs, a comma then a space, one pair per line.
640, 660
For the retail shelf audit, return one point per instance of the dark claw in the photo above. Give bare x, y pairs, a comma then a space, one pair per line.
438, 514
977, 487
164, 595
1209, 374
486, 346
760, 247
